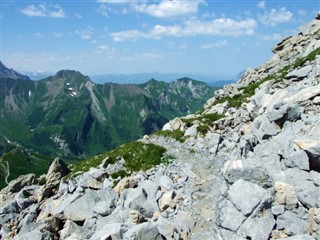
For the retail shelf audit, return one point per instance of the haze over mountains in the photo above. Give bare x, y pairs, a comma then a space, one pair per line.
137, 78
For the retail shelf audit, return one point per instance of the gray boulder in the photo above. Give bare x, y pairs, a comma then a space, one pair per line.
34, 235
307, 192
113, 231
314, 222
298, 159
284, 112
299, 74
144, 231
246, 196
312, 147
57, 170
17, 184
90, 204
228, 216
263, 129
137, 199
292, 223
248, 170
257, 227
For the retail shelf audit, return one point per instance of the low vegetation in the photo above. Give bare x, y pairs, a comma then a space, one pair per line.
249, 90
19, 162
178, 135
137, 155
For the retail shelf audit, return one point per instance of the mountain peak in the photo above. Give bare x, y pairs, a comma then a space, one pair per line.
10, 73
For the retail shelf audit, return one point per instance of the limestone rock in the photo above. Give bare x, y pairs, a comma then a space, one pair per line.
57, 170
229, 217
246, 196
124, 183
285, 194
314, 222
299, 74
298, 159
136, 217
257, 227
167, 200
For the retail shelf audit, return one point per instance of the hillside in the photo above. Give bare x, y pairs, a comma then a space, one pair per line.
244, 167
70, 116
67, 115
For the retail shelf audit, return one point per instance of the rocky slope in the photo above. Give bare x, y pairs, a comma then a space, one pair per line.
244, 167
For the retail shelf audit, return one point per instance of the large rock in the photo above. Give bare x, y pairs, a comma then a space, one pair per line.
113, 231
307, 192
247, 170
91, 204
312, 147
57, 170
173, 125
144, 231
284, 112
71, 231
228, 216
263, 129
285, 194
246, 196
292, 223
17, 184
137, 199
299, 74
304, 95
314, 222
298, 159
257, 227
167, 200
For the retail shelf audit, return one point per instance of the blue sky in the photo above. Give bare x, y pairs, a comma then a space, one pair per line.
218, 38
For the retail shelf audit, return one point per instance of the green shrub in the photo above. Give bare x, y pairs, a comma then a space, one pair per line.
121, 173
137, 155
178, 135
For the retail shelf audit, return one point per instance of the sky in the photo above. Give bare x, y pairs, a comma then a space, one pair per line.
211, 37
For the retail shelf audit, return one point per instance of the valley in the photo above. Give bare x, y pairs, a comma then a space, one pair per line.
69, 116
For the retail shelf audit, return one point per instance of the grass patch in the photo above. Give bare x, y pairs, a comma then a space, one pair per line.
137, 155
311, 56
178, 135
249, 90
205, 120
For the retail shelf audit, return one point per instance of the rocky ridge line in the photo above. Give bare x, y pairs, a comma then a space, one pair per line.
253, 174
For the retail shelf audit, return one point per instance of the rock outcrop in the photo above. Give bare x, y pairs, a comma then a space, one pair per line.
247, 168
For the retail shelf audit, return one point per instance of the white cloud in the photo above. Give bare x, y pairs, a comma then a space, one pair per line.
274, 17
44, 10
85, 34
57, 34
78, 15
218, 44
271, 37
193, 27
38, 34
104, 10
261, 5
169, 8
112, 1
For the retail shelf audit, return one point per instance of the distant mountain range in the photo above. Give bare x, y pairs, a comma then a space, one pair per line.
68, 115
138, 78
